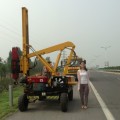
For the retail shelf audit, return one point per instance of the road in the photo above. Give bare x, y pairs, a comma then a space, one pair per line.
108, 88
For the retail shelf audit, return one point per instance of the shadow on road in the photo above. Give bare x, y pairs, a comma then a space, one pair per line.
53, 105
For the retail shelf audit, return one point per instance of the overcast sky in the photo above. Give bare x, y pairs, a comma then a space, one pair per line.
89, 24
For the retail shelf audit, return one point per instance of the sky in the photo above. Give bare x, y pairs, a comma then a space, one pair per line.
91, 25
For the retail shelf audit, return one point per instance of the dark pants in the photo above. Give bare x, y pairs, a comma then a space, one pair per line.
84, 91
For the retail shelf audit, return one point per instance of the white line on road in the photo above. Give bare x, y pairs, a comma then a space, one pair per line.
118, 78
106, 111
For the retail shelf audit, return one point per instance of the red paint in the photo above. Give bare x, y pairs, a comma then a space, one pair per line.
37, 79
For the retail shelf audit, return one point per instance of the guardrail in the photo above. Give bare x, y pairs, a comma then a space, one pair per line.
111, 70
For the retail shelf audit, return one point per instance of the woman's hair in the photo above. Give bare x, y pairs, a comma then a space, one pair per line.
84, 61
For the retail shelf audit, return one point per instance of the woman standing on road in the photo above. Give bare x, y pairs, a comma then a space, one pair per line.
83, 81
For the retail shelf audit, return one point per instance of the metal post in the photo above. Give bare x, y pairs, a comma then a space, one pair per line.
106, 62
10, 95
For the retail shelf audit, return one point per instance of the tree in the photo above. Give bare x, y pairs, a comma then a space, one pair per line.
9, 62
36, 66
3, 70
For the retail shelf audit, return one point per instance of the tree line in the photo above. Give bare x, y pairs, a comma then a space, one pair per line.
111, 67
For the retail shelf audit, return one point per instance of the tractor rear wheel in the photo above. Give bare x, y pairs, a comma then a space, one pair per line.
64, 102
23, 103
70, 95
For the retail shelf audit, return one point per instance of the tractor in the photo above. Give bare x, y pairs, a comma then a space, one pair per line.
41, 86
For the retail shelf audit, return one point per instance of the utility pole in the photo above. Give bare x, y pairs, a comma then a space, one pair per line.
106, 61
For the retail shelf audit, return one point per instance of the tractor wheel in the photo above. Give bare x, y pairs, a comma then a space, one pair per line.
23, 103
70, 95
64, 101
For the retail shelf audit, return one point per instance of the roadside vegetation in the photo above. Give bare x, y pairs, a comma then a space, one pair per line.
112, 68
5, 80
5, 109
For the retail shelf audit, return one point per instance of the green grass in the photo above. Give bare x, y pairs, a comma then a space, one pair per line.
5, 109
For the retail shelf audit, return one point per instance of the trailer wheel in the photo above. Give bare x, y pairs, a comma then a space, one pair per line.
70, 95
23, 103
64, 102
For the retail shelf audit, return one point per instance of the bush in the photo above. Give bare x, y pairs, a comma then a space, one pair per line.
4, 83
1, 88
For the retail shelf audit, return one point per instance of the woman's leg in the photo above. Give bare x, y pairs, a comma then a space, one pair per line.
82, 93
86, 94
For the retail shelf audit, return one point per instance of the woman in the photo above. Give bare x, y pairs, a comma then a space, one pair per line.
83, 87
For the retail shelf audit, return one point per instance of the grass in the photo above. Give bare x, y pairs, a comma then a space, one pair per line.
5, 109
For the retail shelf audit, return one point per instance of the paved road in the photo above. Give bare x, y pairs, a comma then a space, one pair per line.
107, 86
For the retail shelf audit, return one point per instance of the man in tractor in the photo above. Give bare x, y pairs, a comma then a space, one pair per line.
45, 71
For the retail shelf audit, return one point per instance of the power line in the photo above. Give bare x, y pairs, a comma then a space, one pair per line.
16, 33
10, 30
4, 39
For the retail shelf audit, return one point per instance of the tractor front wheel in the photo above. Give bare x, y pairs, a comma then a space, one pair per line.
70, 95
23, 103
64, 102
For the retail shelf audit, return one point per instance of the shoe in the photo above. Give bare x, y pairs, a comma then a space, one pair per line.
82, 106
85, 107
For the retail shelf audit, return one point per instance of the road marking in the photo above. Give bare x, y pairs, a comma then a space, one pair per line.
106, 111
118, 78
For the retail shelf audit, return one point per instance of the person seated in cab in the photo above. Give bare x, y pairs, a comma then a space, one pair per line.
46, 72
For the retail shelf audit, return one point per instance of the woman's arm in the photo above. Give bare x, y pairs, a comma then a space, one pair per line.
88, 76
78, 76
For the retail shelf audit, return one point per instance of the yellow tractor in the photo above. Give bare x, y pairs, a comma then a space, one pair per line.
39, 87
74, 65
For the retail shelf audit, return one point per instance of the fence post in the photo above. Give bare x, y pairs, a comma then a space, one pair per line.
10, 95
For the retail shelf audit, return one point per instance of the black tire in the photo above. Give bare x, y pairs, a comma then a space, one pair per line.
64, 102
70, 95
23, 103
